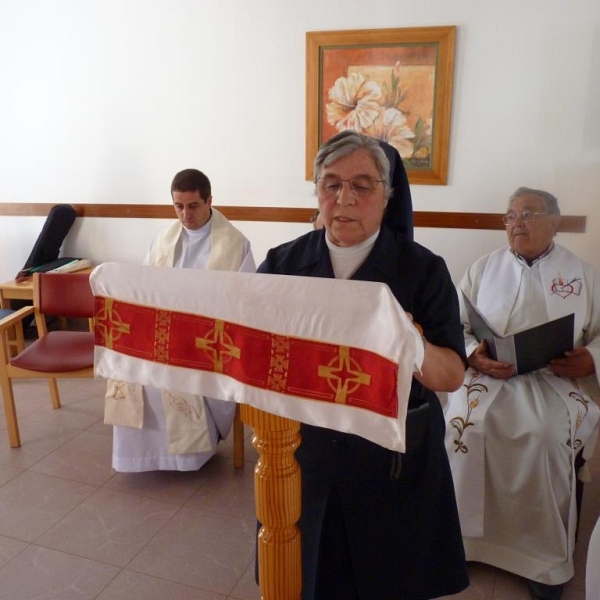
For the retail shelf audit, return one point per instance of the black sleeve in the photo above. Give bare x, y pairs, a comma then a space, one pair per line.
268, 265
436, 308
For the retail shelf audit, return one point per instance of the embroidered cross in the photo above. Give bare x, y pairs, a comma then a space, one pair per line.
109, 324
344, 375
218, 344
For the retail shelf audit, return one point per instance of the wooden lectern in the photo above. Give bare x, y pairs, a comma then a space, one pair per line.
193, 333
278, 503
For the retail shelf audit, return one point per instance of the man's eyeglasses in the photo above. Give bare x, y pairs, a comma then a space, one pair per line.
526, 216
361, 185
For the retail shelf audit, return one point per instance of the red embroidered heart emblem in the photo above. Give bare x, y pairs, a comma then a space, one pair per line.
564, 289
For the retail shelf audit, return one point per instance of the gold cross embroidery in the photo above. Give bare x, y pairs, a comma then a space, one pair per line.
279, 365
344, 375
120, 390
217, 344
109, 323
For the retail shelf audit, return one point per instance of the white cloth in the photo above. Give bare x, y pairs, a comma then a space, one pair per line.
592, 572
289, 326
512, 443
158, 440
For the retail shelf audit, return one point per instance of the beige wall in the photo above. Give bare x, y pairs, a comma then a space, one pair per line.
104, 102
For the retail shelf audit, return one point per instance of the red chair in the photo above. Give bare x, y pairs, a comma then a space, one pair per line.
13, 336
55, 354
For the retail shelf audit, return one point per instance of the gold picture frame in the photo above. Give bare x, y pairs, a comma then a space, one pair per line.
393, 84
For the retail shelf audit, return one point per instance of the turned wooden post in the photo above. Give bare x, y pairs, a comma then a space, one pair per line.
238, 439
278, 503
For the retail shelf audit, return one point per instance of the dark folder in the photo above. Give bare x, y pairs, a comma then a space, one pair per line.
528, 350
54, 265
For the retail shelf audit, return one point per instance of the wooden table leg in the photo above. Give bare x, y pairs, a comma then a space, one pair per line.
277, 494
238, 439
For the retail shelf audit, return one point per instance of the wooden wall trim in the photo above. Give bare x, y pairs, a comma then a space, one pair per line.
442, 220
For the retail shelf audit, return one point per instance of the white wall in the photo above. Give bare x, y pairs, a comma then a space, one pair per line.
105, 101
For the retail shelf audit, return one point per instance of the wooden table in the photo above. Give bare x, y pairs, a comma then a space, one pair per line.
11, 290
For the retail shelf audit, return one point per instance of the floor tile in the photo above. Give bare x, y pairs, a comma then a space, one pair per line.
137, 586
246, 589
109, 526
509, 586
250, 454
32, 503
43, 574
74, 390
79, 415
102, 429
9, 548
40, 401
8, 473
71, 528
230, 492
37, 440
86, 458
572, 593
206, 550
169, 486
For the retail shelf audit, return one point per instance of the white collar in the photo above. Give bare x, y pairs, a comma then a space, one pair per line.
339, 250
198, 233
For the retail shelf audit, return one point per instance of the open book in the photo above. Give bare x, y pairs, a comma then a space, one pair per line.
528, 350
66, 264
76, 264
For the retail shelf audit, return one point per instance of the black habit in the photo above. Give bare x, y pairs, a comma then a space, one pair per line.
376, 524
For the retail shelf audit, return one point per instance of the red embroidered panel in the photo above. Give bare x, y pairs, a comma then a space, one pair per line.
289, 365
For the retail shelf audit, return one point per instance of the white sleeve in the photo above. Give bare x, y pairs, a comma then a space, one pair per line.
592, 327
146, 260
468, 286
248, 265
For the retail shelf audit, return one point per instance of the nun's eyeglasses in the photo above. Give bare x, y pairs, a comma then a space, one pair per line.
361, 185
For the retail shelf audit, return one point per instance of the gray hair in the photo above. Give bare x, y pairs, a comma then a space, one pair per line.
550, 201
346, 143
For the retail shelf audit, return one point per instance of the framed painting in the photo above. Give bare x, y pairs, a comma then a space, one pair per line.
392, 84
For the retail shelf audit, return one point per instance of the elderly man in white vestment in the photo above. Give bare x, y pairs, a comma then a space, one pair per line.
513, 439
165, 429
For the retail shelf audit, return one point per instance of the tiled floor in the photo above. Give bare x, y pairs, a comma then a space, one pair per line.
73, 529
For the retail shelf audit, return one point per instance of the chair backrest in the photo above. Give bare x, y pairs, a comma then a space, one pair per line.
63, 294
